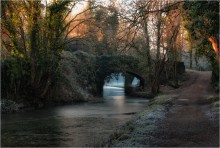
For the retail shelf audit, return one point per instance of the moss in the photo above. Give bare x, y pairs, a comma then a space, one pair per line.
124, 137
164, 99
213, 98
152, 107
77, 77
131, 127
215, 104
115, 135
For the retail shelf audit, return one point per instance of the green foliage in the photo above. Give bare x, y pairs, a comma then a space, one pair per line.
85, 68
56, 27
15, 75
202, 21
34, 42
107, 20
9, 24
78, 78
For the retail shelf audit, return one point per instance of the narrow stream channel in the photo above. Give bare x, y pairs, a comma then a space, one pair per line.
84, 124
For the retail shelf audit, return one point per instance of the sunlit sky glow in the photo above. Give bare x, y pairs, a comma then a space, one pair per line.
81, 4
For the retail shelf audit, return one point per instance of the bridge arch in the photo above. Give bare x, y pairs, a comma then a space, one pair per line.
107, 65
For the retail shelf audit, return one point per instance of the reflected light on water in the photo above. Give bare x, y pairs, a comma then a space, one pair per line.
112, 91
84, 124
119, 100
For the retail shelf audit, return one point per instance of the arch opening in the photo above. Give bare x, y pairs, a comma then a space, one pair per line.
114, 85
117, 83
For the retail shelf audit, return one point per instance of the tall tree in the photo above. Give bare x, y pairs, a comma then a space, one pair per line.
33, 42
107, 20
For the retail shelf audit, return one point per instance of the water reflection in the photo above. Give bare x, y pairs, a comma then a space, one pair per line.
119, 101
29, 131
71, 125
109, 91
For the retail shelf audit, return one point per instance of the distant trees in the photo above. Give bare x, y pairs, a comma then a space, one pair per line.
159, 30
157, 40
97, 29
107, 21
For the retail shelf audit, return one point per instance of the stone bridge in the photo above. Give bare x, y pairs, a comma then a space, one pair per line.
107, 65
89, 72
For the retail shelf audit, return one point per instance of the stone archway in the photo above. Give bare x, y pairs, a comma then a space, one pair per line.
106, 65
129, 76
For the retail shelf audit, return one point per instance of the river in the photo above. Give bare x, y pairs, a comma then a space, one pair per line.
83, 124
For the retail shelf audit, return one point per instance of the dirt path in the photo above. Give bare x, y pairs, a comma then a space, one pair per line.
187, 123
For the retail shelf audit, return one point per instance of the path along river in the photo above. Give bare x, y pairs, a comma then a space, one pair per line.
84, 124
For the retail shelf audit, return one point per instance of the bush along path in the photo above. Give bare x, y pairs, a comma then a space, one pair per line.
188, 116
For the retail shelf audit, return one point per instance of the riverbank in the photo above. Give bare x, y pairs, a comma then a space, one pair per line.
73, 125
135, 132
187, 116
10, 106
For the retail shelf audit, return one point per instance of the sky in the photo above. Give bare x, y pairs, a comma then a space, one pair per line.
81, 4
126, 4
78, 8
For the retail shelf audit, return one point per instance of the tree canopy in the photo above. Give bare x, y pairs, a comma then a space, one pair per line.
202, 21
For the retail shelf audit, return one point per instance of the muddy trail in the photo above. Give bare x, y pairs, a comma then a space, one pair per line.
187, 123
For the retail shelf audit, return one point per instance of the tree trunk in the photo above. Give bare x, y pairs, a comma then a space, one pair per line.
190, 57
46, 88
158, 34
147, 47
159, 66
